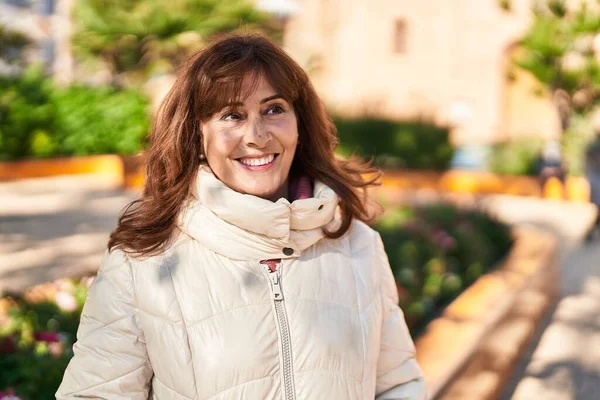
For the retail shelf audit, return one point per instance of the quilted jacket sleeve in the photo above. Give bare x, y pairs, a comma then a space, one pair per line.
399, 376
110, 359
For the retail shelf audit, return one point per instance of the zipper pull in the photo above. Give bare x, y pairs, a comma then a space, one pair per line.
275, 278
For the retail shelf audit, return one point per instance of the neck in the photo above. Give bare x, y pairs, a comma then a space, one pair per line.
281, 192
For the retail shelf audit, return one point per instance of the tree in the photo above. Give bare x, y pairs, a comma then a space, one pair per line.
562, 51
135, 39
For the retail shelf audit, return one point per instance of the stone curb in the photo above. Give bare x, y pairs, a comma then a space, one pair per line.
124, 171
471, 351
108, 165
474, 182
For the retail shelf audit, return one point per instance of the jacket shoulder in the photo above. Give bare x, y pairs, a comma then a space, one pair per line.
362, 236
115, 265
178, 245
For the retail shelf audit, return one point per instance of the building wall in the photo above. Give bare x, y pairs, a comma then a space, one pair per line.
453, 70
48, 24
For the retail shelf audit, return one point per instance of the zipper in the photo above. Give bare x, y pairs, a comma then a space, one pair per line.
273, 270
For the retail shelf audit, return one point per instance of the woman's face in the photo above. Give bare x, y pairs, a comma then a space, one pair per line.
250, 146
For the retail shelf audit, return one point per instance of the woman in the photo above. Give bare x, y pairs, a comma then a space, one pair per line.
244, 271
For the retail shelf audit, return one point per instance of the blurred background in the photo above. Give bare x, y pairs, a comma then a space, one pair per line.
483, 114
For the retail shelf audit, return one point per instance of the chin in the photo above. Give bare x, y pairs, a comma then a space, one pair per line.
266, 191
265, 194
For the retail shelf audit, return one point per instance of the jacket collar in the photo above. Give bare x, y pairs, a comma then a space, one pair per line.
246, 227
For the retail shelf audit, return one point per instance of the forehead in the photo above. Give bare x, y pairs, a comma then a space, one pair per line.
238, 89
255, 88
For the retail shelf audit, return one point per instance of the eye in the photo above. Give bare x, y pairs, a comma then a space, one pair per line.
275, 109
231, 116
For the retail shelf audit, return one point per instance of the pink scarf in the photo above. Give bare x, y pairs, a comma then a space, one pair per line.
300, 188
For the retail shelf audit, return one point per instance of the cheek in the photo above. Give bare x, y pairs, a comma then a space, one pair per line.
220, 143
288, 134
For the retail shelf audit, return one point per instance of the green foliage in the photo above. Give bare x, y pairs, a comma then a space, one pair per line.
141, 36
100, 120
438, 250
396, 144
574, 144
559, 51
542, 53
40, 120
25, 108
519, 157
558, 7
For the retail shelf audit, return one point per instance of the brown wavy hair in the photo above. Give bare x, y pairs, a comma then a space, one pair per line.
210, 80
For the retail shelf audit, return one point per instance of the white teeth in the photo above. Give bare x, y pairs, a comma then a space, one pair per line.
255, 162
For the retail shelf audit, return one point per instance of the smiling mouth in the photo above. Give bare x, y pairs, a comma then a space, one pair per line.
258, 163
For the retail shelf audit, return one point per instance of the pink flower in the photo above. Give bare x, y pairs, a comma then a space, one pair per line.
442, 238
50, 337
65, 301
9, 394
56, 348
448, 243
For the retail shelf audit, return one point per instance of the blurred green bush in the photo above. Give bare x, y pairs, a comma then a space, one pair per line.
25, 110
415, 145
575, 141
39, 120
519, 157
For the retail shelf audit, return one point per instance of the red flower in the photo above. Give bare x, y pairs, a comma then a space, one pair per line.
50, 337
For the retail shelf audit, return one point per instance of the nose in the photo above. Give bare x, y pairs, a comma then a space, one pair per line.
258, 135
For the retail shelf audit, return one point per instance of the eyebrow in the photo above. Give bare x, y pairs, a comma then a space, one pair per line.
263, 101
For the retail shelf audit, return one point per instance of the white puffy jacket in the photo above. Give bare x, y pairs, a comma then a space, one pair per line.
206, 320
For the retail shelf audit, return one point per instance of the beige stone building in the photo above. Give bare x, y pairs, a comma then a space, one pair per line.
439, 59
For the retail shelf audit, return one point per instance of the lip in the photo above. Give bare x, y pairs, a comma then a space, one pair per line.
258, 168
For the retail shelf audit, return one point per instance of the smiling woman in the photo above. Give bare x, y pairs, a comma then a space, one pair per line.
250, 145
245, 270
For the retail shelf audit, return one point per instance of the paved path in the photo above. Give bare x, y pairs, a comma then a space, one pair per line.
55, 227
565, 363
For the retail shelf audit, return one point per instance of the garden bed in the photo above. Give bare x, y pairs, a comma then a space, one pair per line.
436, 251
472, 349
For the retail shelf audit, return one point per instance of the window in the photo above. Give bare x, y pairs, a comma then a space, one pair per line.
400, 36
